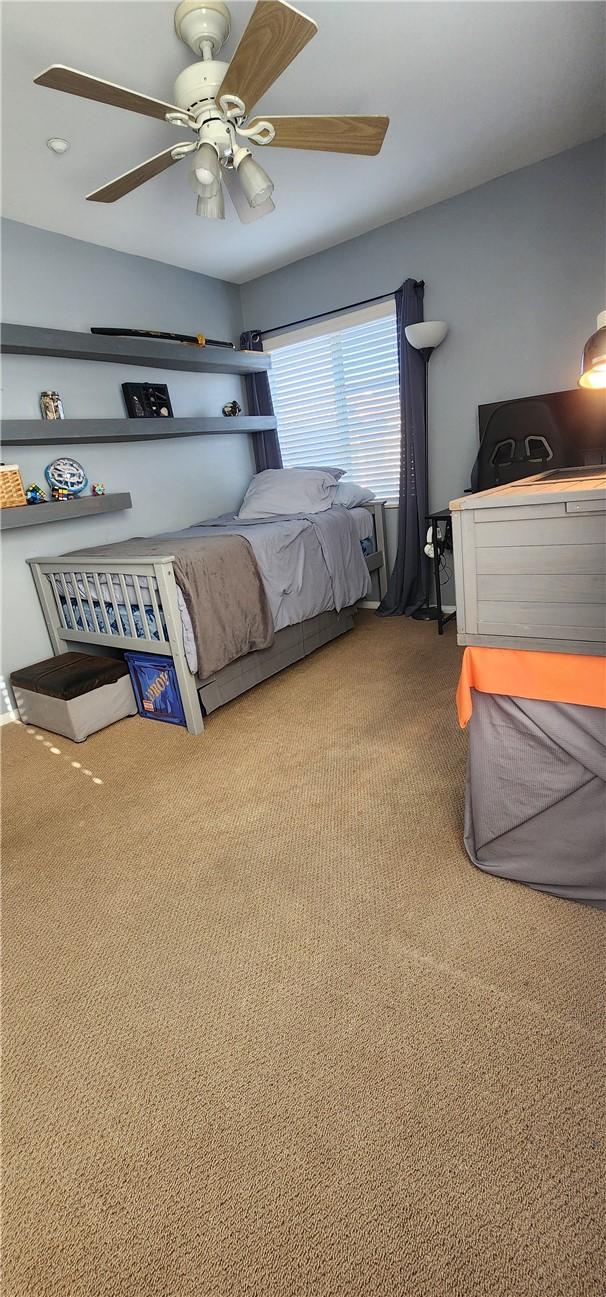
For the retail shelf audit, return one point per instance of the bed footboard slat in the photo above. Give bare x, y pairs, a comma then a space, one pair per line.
51, 577
141, 603
110, 577
68, 610
156, 610
73, 581
129, 615
99, 613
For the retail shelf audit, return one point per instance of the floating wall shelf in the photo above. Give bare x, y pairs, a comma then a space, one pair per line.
27, 340
84, 506
66, 432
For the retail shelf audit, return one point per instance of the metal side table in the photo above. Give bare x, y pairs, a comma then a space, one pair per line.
439, 547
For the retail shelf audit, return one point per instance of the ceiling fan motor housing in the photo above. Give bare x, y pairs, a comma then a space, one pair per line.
199, 24
197, 83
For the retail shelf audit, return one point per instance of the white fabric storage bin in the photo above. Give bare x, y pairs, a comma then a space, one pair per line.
76, 718
74, 694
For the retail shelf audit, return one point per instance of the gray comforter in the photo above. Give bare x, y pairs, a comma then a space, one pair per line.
309, 563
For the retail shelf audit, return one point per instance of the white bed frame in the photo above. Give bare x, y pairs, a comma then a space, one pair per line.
78, 572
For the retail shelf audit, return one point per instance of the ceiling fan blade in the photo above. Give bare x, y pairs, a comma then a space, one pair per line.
344, 134
132, 179
275, 35
72, 82
246, 214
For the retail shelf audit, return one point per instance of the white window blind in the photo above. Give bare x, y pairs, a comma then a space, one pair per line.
335, 388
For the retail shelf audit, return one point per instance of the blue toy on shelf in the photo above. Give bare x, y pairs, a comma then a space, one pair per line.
156, 687
66, 477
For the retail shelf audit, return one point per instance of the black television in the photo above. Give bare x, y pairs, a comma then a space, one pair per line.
531, 434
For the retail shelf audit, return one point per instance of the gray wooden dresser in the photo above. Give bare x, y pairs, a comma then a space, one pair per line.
530, 563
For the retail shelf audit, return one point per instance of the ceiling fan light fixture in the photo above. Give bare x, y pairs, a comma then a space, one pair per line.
204, 191
206, 168
213, 207
255, 182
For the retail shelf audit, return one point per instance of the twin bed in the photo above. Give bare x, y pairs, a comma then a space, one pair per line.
195, 596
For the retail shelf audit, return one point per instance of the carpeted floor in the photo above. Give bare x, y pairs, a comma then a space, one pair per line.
267, 1032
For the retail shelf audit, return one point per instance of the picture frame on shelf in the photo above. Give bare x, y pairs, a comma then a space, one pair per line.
147, 401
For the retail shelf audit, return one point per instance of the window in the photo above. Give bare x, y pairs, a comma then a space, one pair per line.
335, 388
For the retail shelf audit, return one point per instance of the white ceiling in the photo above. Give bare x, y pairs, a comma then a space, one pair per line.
473, 88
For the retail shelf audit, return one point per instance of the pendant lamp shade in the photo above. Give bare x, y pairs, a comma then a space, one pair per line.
593, 368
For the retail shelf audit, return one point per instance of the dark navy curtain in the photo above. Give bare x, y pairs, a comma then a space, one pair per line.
407, 584
258, 394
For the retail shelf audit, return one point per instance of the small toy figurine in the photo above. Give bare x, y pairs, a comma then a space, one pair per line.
97, 488
34, 494
231, 409
61, 493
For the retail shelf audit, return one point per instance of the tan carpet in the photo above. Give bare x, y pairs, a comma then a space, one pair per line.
268, 1032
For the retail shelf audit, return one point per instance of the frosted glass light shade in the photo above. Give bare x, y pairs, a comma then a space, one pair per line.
204, 191
205, 165
593, 368
426, 336
213, 207
254, 180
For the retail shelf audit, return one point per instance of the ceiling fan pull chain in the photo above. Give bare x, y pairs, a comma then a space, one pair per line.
261, 133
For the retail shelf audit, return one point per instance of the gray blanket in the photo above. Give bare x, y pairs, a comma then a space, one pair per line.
221, 586
309, 563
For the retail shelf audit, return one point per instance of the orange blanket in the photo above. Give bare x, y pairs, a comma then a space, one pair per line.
555, 677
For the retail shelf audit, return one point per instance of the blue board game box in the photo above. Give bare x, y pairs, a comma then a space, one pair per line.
156, 687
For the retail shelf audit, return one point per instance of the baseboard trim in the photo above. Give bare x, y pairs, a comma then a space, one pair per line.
8, 717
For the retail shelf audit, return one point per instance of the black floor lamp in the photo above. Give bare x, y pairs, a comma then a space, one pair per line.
425, 337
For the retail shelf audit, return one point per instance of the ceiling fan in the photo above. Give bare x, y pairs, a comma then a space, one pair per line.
214, 100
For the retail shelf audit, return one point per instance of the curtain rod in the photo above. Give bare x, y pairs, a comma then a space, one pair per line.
277, 328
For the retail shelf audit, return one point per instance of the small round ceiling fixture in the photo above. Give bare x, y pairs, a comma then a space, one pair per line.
57, 145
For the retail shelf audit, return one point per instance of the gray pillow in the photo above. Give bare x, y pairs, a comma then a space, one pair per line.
288, 491
334, 472
352, 496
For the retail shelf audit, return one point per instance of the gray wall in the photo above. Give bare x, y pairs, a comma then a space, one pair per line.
516, 268
64, 283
